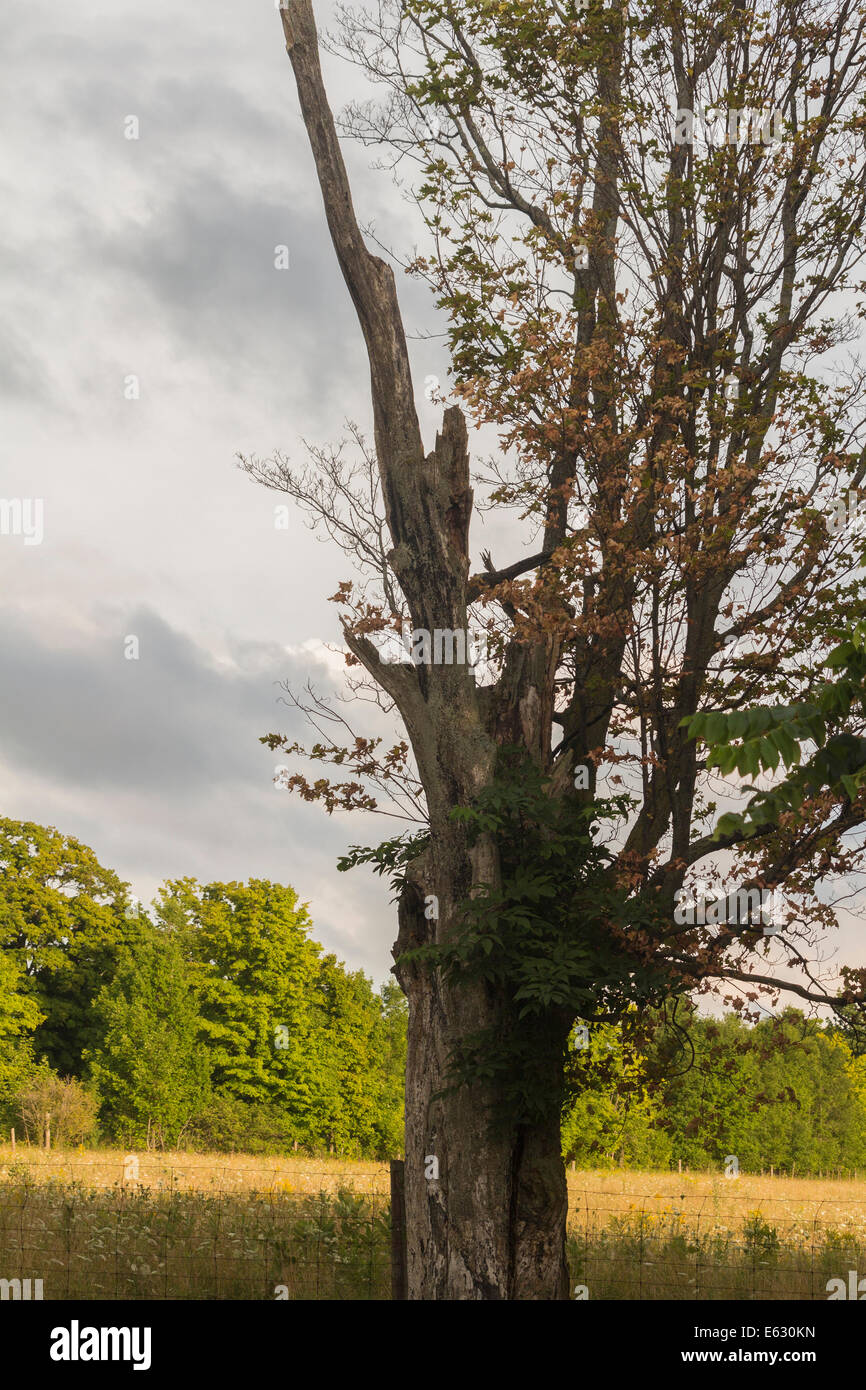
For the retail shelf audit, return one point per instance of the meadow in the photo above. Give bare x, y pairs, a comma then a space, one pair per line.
109, 1225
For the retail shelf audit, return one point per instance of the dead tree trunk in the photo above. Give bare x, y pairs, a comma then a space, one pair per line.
486, 1201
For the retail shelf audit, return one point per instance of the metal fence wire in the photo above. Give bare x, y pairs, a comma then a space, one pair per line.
233, 1232
145, 1227
716, 1246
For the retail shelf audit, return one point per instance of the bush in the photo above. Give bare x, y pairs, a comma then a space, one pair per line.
229, 1125
71, 1105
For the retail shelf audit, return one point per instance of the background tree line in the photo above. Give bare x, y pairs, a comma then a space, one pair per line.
213, 1020
788, 1092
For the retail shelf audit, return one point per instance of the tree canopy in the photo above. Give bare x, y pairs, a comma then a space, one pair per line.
214, 1018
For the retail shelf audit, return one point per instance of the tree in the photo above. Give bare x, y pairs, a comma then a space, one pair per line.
150, 1069
391, 1069
360, 1048
614, 1113
786, 1093
63, 921
301, 1050
19, 1016
255, 967
644, 303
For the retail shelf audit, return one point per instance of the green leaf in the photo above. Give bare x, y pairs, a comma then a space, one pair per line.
769, 754
716, 728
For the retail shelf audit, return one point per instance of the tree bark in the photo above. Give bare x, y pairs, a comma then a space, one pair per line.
491, 1224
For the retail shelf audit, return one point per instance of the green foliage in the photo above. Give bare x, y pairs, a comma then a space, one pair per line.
557, 932
223, 1022
225, 1124
612, 1113
150, 1069
19, 1016
256, 968
851, 1025
524, 931
302, 1051
362, 1054
186, 1027
63, 921
64, 1103
135, 1243
786, 1092
389, 857
752, 741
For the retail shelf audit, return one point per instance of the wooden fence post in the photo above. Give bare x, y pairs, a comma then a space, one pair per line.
47, 1130
399, 1272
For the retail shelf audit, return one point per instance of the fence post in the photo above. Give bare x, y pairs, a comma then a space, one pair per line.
399, 1273
12, 1132
47, 1131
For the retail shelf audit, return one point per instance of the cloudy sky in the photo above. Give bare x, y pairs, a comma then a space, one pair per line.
154, 258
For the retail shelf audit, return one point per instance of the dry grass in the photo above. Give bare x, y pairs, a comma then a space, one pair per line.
193, 1172
702, 1236
705, 1202
593, 1193
193, 1226
220, 1226
710, 1202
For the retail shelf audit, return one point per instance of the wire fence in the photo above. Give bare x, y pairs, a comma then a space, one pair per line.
146, 1226
717, 1245
164, 1171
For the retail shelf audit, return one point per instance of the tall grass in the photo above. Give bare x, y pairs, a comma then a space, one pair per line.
114, 1244
637, 1257
210, 1227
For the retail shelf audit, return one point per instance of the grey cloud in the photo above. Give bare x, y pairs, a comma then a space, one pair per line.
173, 719
156, 764
205, 266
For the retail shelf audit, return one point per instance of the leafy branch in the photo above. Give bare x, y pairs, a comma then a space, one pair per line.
758, 740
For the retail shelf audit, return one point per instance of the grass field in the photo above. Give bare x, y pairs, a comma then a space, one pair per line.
194, 1172
216, 1226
